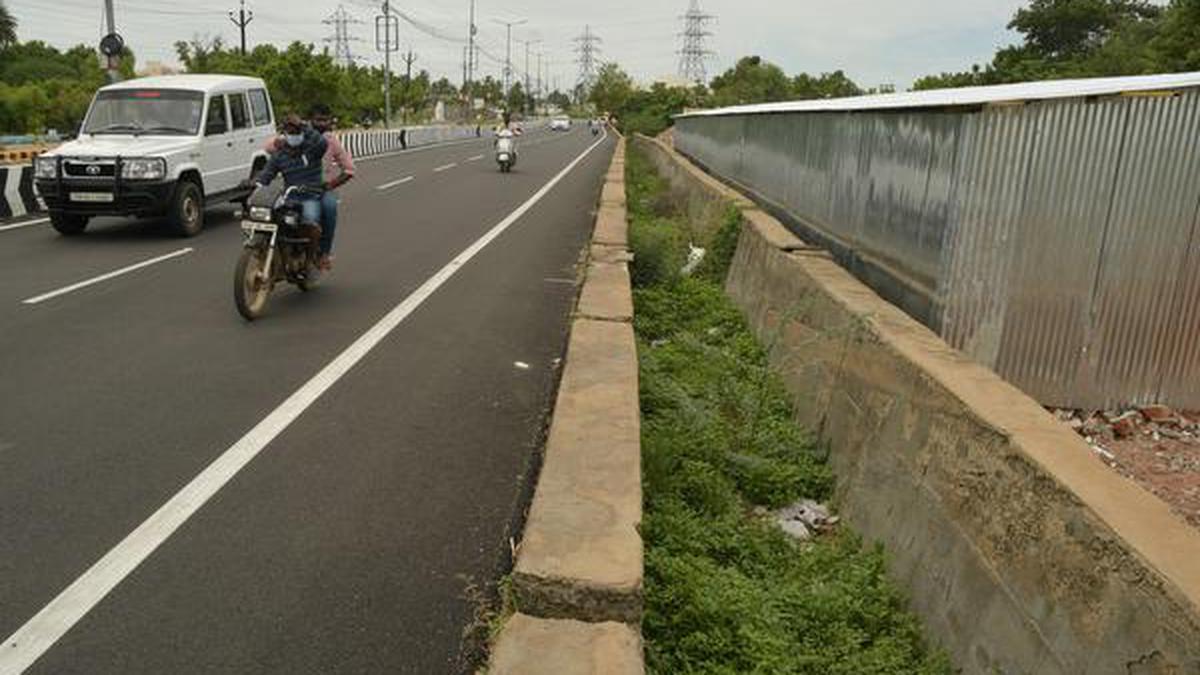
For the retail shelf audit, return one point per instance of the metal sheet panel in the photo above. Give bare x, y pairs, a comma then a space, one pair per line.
1145, 248
1062, 236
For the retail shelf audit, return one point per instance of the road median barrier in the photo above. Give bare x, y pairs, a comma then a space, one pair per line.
1019, 550
577, 584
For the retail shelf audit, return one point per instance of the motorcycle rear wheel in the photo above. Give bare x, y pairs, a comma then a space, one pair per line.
251, 283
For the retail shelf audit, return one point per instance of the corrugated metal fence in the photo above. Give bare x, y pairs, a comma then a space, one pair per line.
1055, 241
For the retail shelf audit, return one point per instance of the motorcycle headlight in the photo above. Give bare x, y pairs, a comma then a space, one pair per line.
45, 167
144, 169
260, 213
291, 219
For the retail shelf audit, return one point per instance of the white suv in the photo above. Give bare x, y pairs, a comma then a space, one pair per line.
560, 124
159, 146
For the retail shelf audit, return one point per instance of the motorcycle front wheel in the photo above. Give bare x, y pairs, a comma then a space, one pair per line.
251, 282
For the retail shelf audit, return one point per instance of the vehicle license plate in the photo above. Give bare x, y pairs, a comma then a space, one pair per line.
91, 196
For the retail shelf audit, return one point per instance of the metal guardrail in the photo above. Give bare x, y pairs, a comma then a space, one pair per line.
1055, 241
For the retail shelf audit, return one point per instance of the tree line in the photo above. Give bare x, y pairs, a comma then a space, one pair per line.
43, 88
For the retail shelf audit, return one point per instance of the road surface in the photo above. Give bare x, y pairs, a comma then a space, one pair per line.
337, 476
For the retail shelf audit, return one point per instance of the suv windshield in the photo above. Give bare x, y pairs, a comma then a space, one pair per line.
145, 111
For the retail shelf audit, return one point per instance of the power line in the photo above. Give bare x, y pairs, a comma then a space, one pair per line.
586, 47
694, 55
341, 20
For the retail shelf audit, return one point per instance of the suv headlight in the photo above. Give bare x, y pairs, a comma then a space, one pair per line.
144, 169
45, 167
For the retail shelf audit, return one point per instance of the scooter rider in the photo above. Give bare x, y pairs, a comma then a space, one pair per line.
336, 156
299, 160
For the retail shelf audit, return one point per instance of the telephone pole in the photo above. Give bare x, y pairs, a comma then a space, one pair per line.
387, 40
694, 54
588, 51
409, 59
241, 18
341, 39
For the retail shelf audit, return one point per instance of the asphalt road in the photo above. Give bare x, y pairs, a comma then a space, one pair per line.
351, 541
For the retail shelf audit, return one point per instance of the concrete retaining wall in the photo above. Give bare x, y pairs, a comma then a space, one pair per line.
577, 582
1020, 551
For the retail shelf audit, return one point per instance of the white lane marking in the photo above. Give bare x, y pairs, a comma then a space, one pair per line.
476, 158
388, 186
105, 277
446, 167
33, 639
27, 223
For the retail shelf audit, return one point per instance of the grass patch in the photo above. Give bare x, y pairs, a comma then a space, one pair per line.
726, 591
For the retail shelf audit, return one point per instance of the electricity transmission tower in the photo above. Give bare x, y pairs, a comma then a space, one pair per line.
695, 53
588, 50
341, 21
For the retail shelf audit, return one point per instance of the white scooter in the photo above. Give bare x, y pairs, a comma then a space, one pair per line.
506, 152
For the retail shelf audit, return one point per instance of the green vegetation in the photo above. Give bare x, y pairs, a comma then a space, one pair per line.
726, 591
1089, 38
752, 80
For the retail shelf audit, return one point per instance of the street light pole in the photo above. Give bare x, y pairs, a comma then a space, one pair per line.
528, 86
508, 54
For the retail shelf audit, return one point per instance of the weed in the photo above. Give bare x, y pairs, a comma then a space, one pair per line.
726, 590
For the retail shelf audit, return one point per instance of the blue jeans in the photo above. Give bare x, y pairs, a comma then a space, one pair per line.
329, 218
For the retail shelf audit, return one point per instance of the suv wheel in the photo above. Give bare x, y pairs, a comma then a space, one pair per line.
68, 224
185, 216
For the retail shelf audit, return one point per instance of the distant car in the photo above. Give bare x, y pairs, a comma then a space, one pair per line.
560, 124
159, 146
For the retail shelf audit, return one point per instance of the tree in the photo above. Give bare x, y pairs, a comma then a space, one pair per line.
515, 102
1063, 29
8, 27
612, 90
752, 80
559, 100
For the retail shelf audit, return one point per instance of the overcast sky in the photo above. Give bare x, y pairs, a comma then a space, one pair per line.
874, 41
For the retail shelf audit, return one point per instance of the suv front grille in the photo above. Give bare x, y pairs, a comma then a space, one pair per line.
89, 169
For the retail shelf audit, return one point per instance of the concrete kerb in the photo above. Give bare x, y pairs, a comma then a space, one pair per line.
1057, 564
532, 646
578, 579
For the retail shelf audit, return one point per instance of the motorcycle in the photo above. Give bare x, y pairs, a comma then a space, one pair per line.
506, 153
279, 246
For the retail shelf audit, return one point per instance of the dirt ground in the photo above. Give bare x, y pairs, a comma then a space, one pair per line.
1157, 447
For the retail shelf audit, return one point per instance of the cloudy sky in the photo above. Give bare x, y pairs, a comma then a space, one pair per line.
874, 41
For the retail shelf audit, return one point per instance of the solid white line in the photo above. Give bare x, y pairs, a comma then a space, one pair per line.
445, 168
476, 158
388, 186
40, 633
105, 277
27, 223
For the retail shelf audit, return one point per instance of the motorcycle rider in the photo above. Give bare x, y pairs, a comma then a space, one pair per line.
299, 160
336, 157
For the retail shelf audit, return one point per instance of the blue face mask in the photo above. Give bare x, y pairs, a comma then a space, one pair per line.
294, 140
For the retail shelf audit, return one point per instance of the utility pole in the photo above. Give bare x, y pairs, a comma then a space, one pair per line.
240, 18
694, 54
387, 40
508, 54
409, 58
540, 94
341, 20
471, 31
112, 61
588, 51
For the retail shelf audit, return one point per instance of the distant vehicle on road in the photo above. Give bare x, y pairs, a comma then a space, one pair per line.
279, 247
159, 146
560, 124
